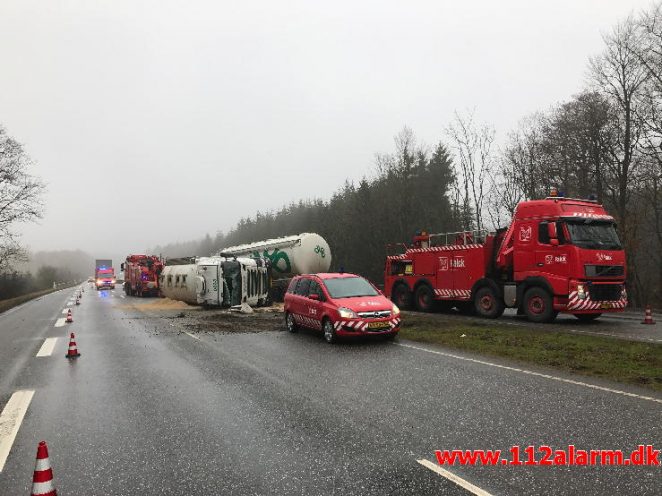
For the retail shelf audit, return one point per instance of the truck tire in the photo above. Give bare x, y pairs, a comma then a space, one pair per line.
424, 298
587, 317
488, 304
401, 296
538, 305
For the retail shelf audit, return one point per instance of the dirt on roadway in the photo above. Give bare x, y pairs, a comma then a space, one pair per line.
196, 319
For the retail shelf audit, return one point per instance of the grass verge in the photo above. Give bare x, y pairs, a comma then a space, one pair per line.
630, 362
14, 302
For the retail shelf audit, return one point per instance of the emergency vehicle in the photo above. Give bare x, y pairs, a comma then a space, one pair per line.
141, 275
339, 305
558, 255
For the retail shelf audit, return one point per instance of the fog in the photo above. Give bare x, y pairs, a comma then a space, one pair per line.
154, 122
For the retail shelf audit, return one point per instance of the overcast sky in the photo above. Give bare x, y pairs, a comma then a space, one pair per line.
160, 121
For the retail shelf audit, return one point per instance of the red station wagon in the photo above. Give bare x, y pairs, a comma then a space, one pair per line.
339, 305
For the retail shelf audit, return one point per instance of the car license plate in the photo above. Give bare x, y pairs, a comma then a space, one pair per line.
606, 305
378, 325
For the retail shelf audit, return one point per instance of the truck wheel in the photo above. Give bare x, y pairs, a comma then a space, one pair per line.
424, 298
488, 304
587, 317
538, 305
401, 296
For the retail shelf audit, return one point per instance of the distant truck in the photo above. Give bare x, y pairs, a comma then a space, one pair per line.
141, 275
558, 255
217, 281
289, 256
104, 274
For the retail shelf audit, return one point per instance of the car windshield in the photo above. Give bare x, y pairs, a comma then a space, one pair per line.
347, 287
594, 235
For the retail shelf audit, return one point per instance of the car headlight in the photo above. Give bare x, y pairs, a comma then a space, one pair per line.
99, 281
581, 292
346, 313
395, 310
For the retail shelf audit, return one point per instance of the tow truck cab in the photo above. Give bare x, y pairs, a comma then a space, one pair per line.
568, 247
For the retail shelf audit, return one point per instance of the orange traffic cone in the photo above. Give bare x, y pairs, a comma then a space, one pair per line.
70, 317
42, 480
73, 349
648, 316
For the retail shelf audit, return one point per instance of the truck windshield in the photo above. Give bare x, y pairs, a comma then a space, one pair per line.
347, 287
594, 235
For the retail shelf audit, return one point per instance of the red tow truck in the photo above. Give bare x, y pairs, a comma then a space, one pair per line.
558, 255
141, 275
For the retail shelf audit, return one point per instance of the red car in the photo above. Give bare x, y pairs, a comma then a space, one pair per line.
339, 305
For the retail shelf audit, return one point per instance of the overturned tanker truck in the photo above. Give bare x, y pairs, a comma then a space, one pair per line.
305, 253
217, 281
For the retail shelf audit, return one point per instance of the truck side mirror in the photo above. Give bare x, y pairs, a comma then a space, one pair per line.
122, 266
314, 296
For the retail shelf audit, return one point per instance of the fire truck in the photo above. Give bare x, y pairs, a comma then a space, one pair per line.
141, 275
558, 255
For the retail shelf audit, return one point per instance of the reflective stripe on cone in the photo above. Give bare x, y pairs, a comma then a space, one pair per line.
42, 480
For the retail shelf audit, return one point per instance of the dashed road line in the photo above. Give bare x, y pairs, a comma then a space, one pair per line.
47, 348
10, 421
65, 310
193, 336
59, 322
531, 372
463, 483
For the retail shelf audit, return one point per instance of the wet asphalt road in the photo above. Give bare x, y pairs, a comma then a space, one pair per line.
148, 409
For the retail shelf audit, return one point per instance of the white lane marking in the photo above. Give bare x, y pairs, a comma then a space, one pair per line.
537, 374
47, 348
464, 484
122, 296
65, 310
60, 322
10, 421
194, 337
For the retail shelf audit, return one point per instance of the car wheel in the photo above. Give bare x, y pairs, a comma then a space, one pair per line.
538, 305
488, 304
424, 298
329, 332
290, 324
587, 317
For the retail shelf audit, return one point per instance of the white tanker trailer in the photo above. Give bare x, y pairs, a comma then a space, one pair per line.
306, 253
218, 281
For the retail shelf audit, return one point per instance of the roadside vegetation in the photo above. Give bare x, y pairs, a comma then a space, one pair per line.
629, 362
19, 300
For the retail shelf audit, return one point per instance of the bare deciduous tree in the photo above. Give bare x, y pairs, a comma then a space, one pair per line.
20, 196
472, 144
